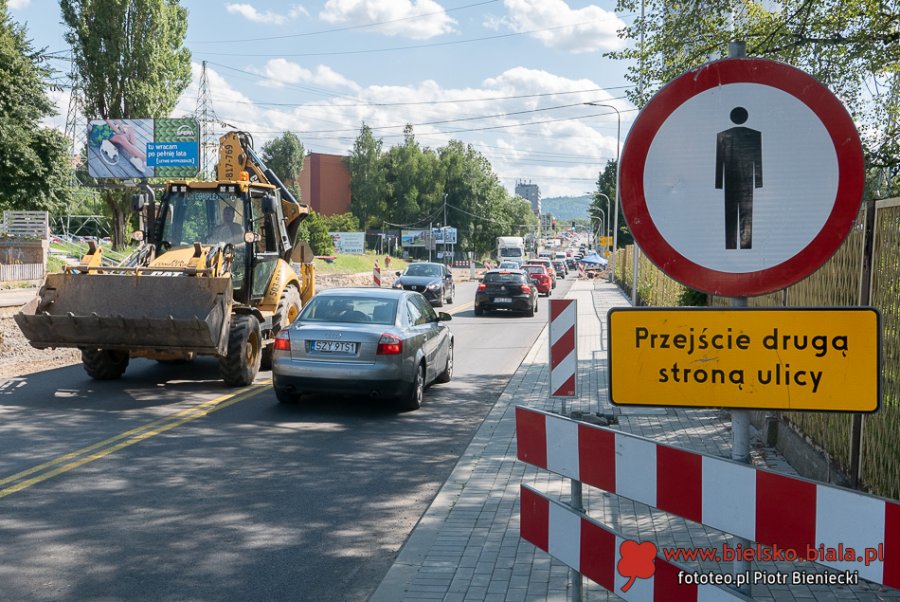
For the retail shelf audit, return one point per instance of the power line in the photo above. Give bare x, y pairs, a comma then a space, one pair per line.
348, 27
409, 47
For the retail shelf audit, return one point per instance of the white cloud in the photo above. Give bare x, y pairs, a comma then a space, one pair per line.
19, 4
416, 19
561, 151
249, 12
281, 72
557, 25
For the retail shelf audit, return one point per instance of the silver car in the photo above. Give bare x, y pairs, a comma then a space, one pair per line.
382, 343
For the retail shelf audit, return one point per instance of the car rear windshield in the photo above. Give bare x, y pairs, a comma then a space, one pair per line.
503, 278
534, 269
421, 269
355, 310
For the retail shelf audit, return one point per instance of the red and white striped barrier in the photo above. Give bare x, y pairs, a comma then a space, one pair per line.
563, 347
593, 549
759, 505
376, 274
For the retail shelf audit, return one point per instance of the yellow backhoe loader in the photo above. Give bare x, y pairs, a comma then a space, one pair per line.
212, 275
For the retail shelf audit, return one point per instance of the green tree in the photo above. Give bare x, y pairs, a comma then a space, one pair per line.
848, 45
284, 156
342, 222
314, 230
35, 164
132, 61
368, 180
606, 185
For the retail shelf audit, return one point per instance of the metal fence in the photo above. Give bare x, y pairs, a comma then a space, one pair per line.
864, 271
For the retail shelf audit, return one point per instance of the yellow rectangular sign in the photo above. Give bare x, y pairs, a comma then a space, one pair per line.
781, 359
605, 241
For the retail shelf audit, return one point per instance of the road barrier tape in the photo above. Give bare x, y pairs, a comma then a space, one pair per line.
759, 505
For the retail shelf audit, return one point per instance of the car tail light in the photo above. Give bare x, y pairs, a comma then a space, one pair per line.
482, 287
283, 341
388, 344
526, 288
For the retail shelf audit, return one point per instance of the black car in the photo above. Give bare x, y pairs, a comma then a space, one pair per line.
433, 280
506, 289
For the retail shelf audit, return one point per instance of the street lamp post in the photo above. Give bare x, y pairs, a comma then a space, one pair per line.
608, 214
604, 225
612, 263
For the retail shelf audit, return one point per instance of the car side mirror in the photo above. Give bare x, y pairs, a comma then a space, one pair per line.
444, 317
396, 273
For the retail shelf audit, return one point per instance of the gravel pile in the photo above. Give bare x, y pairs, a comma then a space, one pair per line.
18, 357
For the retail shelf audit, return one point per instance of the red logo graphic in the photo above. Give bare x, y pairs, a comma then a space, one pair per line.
637, 561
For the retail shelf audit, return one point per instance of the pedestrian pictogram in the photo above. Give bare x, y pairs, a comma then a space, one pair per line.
738, 172
741, 177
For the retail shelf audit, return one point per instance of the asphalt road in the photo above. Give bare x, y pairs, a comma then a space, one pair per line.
166, 485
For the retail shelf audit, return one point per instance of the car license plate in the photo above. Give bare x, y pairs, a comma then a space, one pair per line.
333, 346
502, 300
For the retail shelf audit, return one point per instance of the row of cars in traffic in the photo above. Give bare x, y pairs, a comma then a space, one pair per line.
391, 343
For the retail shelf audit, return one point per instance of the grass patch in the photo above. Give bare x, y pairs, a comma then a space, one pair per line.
356, 264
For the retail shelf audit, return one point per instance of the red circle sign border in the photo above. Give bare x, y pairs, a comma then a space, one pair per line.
851, 176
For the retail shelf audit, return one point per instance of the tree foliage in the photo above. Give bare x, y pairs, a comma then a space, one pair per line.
601, 209
368, 180
284, 156
342, 222
851, 46
35, 165
411, 187
131, 58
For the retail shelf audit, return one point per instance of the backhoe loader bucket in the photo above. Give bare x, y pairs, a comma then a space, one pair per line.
116, 311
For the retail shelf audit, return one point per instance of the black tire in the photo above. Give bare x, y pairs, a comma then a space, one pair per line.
440, 300
412, 400
104, 364
530, 312
447, 374
452, 292
241, 365
478, 310
288, 307
536, 304
286, 397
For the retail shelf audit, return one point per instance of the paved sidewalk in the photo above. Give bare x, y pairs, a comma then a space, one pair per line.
467, 545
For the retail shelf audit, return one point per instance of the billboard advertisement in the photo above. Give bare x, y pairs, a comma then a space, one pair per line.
143, 148
349, 243
444, 236
414, 238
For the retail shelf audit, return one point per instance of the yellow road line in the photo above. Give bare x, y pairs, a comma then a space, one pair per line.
126, 439
463, 307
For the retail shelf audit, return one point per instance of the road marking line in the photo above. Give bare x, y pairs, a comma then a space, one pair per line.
135, 435
460, 308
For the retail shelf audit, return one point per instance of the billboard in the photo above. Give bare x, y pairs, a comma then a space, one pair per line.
414, 238
143, 148
349, 243
445, 235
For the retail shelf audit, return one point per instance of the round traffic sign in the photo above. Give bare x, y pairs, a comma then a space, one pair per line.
741, 177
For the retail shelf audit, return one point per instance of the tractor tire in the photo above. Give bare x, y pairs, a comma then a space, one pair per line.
241, 365
104, 364
288, 307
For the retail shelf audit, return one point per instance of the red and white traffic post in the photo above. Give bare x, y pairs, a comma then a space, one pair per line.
376, 275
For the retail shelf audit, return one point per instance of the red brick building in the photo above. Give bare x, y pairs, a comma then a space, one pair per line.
325, 183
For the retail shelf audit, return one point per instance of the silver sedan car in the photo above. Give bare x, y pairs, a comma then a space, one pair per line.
382, 343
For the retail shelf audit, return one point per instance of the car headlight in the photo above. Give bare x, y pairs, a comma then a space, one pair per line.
434, 286
398, 285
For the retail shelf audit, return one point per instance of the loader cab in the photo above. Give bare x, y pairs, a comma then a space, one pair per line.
246, 216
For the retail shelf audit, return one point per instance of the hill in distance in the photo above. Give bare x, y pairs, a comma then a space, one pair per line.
567, 207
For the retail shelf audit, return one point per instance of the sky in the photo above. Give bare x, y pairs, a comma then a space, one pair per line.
509, 77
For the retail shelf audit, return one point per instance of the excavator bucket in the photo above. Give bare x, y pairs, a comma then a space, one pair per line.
125, 311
